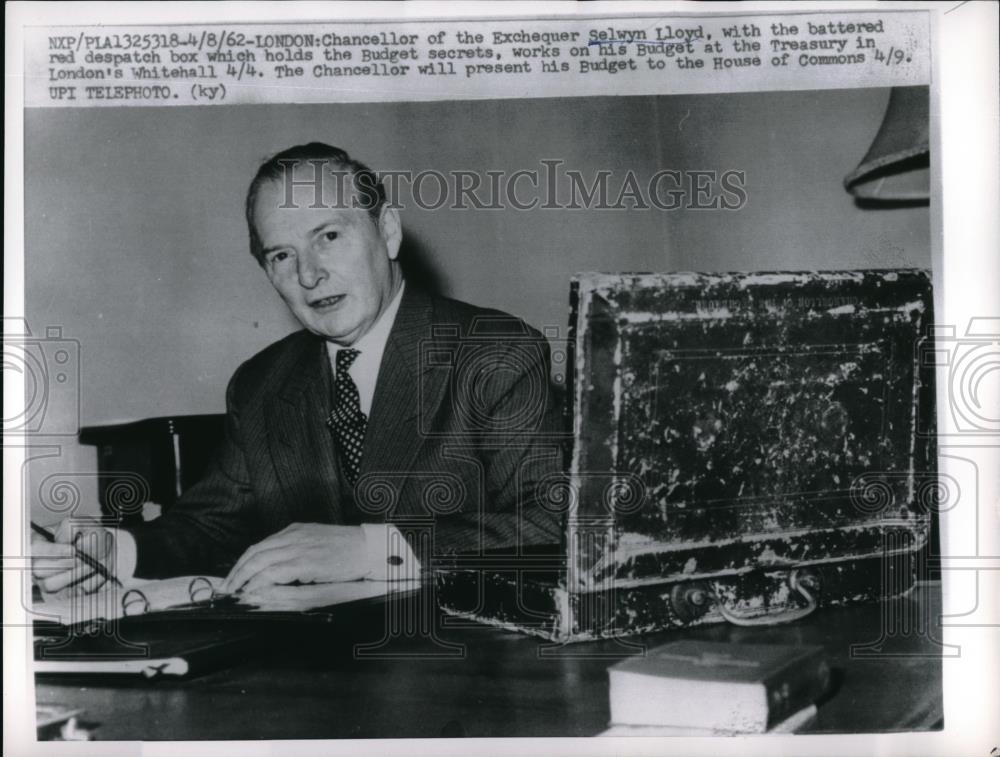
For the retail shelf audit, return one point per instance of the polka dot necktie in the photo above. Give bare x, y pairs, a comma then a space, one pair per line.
347, 419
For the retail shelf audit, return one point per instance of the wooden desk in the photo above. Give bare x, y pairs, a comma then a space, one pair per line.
312, 685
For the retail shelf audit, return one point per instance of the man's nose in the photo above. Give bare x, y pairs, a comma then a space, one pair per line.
311, 270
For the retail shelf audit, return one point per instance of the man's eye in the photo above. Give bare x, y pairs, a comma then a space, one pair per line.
278, 257
330, 236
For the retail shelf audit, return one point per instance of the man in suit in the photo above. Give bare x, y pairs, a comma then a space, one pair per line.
397, 427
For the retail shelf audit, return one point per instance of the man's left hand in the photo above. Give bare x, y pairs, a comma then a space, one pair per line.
304, 553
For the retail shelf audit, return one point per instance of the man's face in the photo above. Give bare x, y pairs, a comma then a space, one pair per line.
332, 265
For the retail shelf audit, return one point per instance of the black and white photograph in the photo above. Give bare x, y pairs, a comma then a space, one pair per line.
409, 372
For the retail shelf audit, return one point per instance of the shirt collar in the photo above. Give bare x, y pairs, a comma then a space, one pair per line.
372, 344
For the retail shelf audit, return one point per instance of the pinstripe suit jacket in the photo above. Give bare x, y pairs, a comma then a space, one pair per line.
462, 438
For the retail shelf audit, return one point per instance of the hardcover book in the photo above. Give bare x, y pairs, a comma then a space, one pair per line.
736, 688
792, 724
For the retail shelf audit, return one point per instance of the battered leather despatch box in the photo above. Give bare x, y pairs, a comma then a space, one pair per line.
746, 448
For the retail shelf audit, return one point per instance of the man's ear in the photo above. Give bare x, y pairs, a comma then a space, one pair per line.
391, 230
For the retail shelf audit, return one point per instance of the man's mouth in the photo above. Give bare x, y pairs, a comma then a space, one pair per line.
326, 302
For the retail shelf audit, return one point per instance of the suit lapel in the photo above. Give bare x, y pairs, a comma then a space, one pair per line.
404, 395
301, 443
407, 394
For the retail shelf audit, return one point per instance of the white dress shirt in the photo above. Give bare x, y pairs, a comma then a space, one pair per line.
390, 556
364, 369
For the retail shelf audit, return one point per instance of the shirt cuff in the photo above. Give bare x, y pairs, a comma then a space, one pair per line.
389, 555
126, 554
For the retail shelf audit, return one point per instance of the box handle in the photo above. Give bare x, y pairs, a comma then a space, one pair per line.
803, 582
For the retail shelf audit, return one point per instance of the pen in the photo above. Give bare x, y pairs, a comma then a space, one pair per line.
83, 556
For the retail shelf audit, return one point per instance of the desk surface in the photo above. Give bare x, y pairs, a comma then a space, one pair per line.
503, 684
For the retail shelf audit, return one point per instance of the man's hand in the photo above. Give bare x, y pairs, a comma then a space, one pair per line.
55, 566
304, 553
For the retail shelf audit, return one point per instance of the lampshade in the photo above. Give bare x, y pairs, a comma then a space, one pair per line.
896, 167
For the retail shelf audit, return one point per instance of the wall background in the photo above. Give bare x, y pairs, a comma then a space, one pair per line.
136, 244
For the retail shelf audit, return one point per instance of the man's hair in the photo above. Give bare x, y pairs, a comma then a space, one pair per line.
368, 189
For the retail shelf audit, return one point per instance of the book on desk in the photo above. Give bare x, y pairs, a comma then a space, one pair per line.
710, 688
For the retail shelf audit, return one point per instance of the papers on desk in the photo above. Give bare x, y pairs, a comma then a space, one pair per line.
191, 629
200, 594
136, 597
